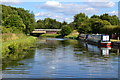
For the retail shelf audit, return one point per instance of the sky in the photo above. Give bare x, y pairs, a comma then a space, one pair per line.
64, 10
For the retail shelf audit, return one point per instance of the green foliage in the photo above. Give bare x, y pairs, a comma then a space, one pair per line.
109, 29
65, 30
96, 24
112, 19
64, 23
79, 19
12, 48
95, 16
84, 28
17, 20
48, 23
73, 35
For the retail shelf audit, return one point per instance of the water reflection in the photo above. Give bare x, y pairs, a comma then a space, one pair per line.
59, 58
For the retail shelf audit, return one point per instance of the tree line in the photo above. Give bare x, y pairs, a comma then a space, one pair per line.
16, 20
104, 23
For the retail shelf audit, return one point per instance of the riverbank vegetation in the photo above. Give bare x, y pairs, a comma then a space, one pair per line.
16, 48
14, 45
17, 23
17, 20
73, 35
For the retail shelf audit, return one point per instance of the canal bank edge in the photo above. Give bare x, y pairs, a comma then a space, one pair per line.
11, 50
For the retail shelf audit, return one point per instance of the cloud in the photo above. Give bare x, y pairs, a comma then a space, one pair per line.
7, 2
42, 15
113, 13
101, 4
66, 9
53, 3
58, 17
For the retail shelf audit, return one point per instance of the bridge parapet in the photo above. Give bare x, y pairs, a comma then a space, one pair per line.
43, 31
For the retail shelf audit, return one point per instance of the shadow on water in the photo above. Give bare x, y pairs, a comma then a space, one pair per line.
66, 58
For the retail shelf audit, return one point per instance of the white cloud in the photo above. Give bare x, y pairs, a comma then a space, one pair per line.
53, 3
113, 13
10, 1
43, 14
66, 9
102, 4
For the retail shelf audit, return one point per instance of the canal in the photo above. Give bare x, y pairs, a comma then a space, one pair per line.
65, 58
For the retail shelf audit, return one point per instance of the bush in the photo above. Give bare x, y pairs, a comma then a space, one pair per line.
14, 47
66, 30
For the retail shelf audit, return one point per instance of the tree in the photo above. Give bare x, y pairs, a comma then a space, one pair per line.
25, 17
64, 23
48, 23
84, 28
112, 19
65, 30
96, 24
40, 24
14, 21
79, 18
95, 16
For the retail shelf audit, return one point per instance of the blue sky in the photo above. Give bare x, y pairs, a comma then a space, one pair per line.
62, 10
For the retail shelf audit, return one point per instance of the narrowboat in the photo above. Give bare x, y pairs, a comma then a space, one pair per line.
100, 39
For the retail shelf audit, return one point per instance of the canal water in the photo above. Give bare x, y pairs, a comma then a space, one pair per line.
65, 58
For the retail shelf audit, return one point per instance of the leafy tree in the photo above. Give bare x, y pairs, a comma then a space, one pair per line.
14, 21
25, 22
48, 23
40, 24
96, 24
79, 18
84, 28
64, 23
95, 16
112, 19
72, 25
65, 30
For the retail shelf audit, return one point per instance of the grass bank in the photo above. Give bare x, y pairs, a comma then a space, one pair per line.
72, 35
13, 46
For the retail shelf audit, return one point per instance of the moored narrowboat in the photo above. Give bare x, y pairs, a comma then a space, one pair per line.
100, 39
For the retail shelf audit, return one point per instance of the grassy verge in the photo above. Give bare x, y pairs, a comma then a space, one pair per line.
73, 35
12, 49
